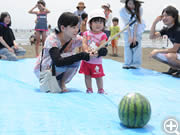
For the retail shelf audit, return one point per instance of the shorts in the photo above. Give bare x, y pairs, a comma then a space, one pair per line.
93, 70
61, 70
114, 43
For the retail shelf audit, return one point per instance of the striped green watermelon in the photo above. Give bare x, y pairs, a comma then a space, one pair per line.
134, 110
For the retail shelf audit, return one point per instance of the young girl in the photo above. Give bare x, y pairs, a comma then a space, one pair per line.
91, 40
8, 47
41, 23
67, 62
133, 36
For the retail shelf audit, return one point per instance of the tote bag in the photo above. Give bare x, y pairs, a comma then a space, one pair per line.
47, 80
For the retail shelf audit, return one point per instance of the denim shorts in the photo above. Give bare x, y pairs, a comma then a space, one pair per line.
61, 70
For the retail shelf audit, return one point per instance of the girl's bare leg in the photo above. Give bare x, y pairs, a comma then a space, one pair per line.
37, 43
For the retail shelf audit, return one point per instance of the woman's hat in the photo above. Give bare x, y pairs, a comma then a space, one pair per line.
81, 4
124, 1
106, 5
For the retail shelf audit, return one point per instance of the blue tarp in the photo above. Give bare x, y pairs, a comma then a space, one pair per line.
24, 110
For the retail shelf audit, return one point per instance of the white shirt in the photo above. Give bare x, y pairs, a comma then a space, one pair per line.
126, 18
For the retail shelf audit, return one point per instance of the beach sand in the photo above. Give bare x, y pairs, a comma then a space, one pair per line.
147, 62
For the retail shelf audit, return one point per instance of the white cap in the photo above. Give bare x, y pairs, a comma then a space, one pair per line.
96, 13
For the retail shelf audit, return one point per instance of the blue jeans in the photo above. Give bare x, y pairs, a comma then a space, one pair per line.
12, 56
132, 57
69, 69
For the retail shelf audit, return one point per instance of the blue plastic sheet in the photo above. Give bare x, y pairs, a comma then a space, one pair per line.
24, 110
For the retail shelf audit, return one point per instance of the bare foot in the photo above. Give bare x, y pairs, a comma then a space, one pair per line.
64, 90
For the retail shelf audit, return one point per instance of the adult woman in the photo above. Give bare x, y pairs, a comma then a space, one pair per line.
8, 46
68, 61
80, 10
41, 23
133, 36
108, 15
169, 56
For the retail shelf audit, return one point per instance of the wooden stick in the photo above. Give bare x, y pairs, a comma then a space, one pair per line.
109, 40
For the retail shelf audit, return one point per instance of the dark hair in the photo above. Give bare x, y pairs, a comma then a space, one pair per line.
66, 19
172, 11
41, 2
137, 9
4, 15
84, 15
115, 19
96, 19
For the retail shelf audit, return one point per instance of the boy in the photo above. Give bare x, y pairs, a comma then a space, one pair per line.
114, 30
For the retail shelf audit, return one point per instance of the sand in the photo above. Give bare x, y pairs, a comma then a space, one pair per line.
147, 62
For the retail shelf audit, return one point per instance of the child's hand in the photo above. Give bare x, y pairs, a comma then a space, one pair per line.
102, 51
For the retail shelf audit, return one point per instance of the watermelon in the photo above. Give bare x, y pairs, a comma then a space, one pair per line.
134, 110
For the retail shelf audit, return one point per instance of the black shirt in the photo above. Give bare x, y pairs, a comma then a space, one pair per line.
7, 34
173, 33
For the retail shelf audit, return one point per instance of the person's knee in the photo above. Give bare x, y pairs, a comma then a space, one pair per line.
12, 58
153, 53
171, 56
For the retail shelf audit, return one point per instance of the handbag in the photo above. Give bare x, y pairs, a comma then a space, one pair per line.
47, 80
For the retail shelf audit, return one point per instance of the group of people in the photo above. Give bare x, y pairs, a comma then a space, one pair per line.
72, 32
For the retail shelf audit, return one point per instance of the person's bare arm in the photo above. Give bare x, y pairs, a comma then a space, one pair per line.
32, 10
153, 33
167, 50
45, 9
84, 44
6, 45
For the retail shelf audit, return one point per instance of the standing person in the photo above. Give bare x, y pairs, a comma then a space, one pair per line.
169, 56
80, 10
108, 15
133, 35
41, 23
114, 30
67, 62
83, 27
8, 46
91, 40
32, 38
49, 30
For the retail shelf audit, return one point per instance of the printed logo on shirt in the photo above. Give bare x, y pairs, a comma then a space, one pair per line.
97, 70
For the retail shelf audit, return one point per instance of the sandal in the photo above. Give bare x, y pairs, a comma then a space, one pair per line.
89, 90
101, 91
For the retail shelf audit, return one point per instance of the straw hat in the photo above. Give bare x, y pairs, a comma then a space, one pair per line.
106, 5
81, 4
123, 1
